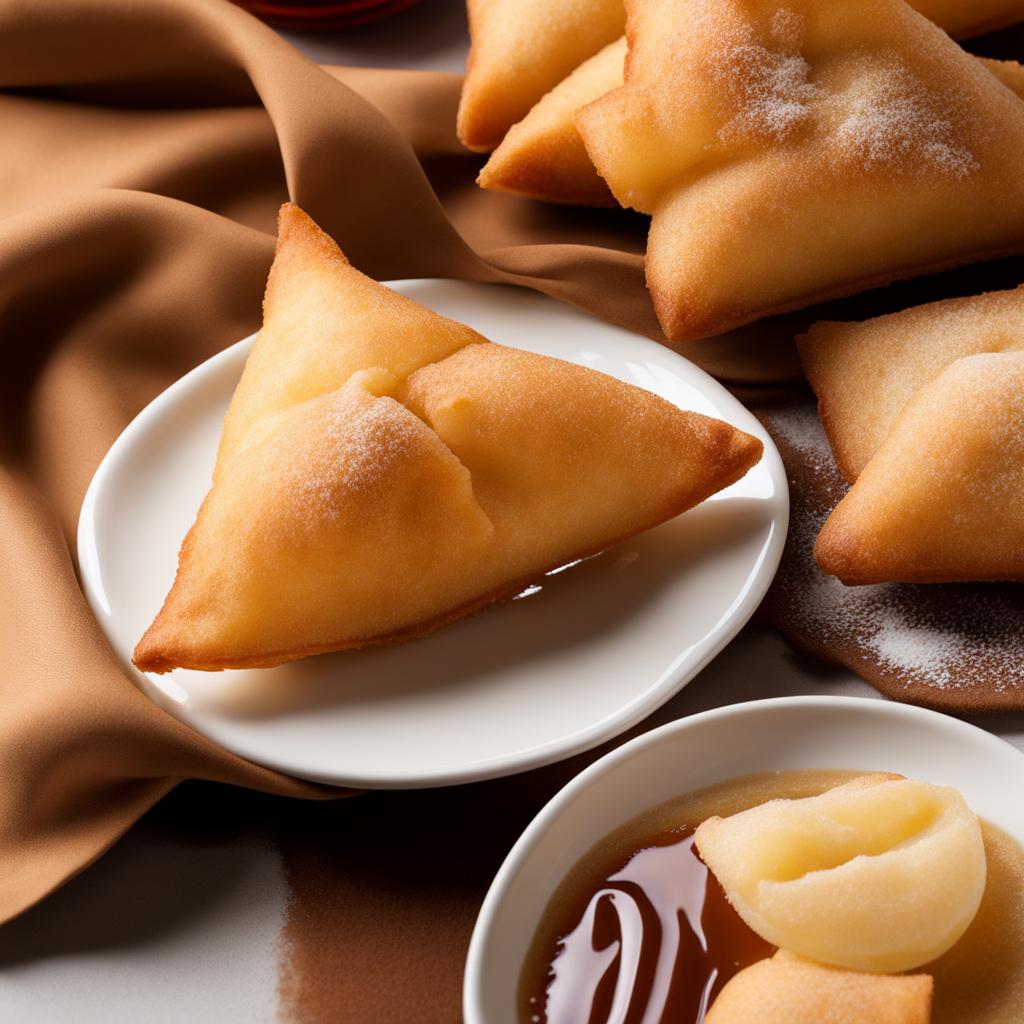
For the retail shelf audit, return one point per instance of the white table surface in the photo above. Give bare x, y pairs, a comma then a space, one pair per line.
180, 921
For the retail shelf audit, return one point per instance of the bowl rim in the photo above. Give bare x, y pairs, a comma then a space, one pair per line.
472, 990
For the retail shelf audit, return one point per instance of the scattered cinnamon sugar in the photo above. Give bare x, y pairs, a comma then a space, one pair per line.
891, 118
882, 115
769, 81
358, 437
953, 646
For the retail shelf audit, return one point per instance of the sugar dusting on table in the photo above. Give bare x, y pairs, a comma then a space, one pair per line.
948, 637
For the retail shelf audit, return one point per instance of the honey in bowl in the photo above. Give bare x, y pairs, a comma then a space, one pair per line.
641, 931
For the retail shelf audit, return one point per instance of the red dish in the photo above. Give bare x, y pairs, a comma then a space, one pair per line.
326, 15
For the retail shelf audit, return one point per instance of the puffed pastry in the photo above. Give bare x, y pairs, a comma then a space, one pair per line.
882, 874
864, 374
787, 989
543, 156
384, 471
792, 154
942, 500
521, 49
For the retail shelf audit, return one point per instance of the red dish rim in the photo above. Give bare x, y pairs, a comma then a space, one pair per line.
324, 15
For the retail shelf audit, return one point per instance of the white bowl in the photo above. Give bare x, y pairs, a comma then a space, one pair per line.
604, 644
769, 735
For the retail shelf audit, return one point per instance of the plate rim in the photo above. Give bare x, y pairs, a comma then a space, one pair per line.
473, 1000
605, 729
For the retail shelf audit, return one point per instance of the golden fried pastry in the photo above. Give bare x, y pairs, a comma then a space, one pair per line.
942, 500
788, 989
543, 156
882, 874
865, 373
384, 471
790, 155
521, 49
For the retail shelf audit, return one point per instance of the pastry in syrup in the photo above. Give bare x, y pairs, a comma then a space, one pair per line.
787, 989
891, 871
882, 874
792, 154
384, 471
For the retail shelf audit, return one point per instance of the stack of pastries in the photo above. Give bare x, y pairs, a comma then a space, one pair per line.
791, 152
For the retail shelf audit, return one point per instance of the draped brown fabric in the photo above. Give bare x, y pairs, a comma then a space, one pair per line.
146, 148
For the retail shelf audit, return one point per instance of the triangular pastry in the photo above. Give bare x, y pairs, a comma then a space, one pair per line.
384, 471
792, 154
865, 373
787, 989
543, 156
942, 500
521, 49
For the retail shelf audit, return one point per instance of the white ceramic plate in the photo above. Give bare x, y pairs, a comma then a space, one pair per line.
588, 655
860, 734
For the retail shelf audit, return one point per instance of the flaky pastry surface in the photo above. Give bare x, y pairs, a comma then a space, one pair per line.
521, 49
543, 155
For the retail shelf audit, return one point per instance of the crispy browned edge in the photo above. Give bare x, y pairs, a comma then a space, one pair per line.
808, 346
519, 181
681, 328
479, 134
835, 543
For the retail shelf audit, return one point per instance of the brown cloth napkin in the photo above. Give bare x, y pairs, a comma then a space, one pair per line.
146, 148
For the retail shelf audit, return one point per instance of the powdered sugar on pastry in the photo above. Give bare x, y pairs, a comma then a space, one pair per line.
769, 83
891, 118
